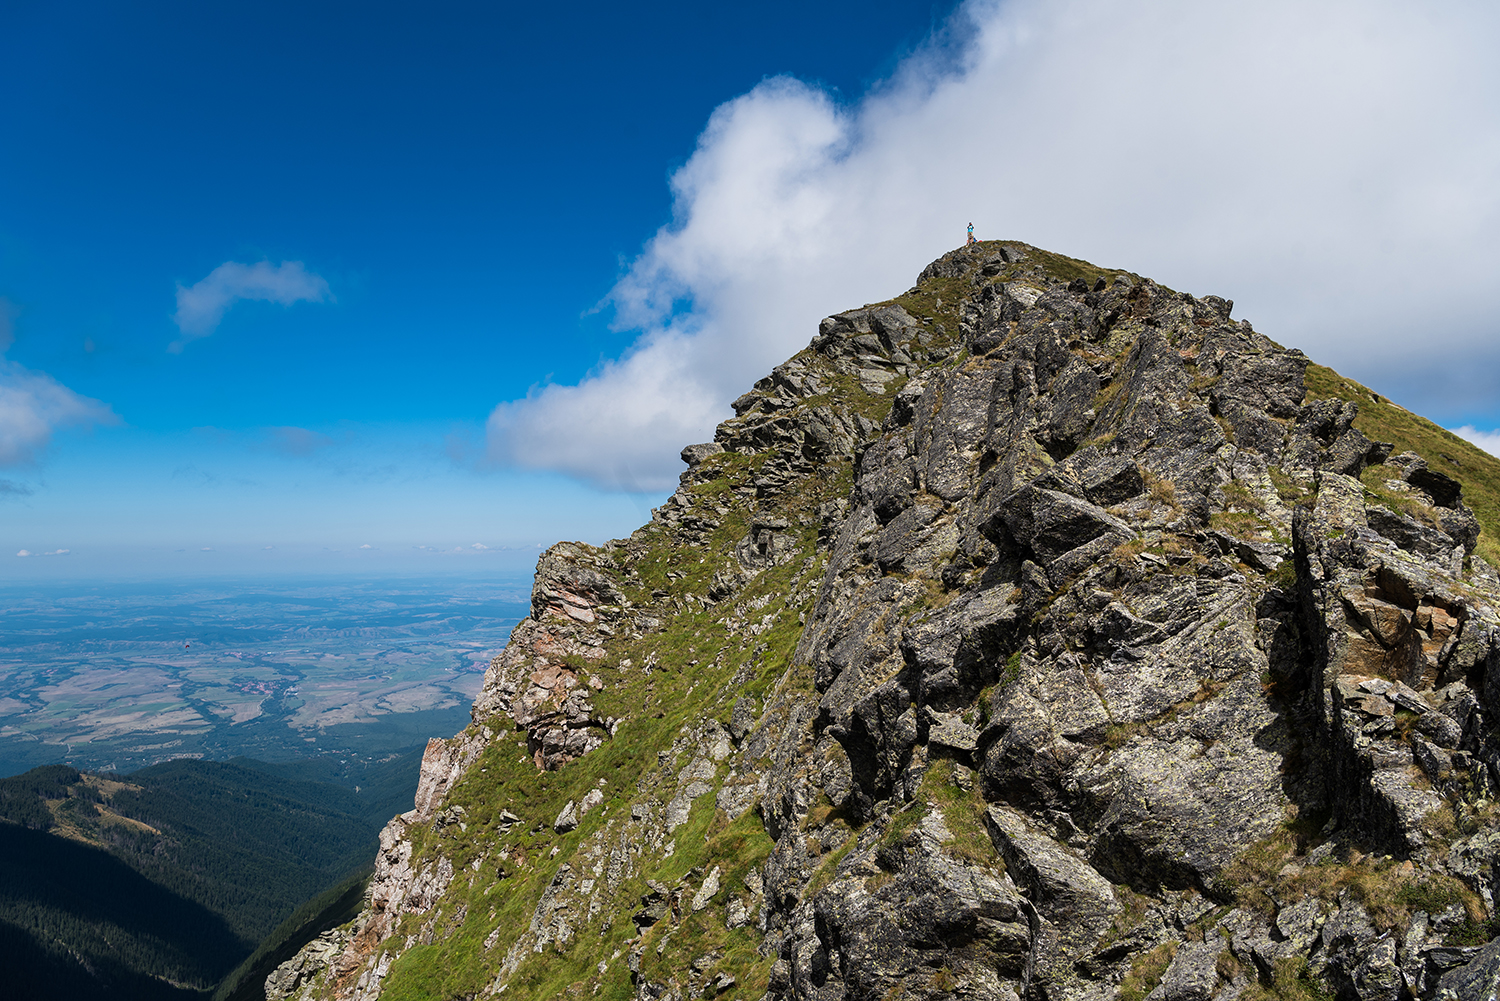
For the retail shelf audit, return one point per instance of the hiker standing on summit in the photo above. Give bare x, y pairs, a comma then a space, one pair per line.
971, 241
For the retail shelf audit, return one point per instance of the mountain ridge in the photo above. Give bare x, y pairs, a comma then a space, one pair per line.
1035, 634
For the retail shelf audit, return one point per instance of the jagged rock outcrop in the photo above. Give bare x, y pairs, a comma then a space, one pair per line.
1035, 635
540, 681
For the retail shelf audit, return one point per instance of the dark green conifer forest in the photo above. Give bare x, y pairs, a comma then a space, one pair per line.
159, 884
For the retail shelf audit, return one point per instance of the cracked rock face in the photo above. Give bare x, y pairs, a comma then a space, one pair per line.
1035, 635
536, 680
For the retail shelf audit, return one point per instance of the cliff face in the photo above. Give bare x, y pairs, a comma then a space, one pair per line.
1034, 635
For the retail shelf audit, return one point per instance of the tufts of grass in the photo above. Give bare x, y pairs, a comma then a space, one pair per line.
1290, 981
1289, 490
1390, 891
829, 867
1146, 972
1066, 269
1161, 490
904, 821
1240, 524
1376, 492
1284, 576
1133, 910
1445, 452
1472, 932
1117, 735
1236, 494
963, 814
1011, 673
1227, 967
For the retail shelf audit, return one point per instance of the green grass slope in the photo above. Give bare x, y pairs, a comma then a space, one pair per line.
1445, 452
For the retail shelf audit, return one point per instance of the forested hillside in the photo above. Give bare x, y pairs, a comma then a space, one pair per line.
159, 883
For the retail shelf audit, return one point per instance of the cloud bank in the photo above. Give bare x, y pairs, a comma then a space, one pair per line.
202, 306
1333, 167
33, 405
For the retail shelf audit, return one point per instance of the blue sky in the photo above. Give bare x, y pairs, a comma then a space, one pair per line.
288, 280
467, 179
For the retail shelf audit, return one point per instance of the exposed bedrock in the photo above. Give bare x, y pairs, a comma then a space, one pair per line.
1036, 635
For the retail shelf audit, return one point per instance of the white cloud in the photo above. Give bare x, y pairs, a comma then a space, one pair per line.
1487, 440
1333, 167
367, 546
201, 306
479, 546
54, 552
33, 405
24, 552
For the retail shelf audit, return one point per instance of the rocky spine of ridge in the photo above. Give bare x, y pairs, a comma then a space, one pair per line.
1031, 636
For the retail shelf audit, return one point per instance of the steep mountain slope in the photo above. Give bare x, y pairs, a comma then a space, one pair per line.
78, 923
335, 906
156, 884
1034, 635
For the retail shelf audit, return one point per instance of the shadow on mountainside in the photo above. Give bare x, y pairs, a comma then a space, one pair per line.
77, 923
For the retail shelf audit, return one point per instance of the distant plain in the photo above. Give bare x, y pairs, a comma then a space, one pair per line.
122, 675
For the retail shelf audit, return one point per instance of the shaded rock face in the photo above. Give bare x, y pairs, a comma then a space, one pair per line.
1032, 636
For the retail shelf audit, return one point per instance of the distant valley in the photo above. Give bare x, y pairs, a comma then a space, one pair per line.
201, 768
121, 676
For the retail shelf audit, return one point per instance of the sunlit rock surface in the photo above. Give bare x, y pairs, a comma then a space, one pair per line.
1034, 635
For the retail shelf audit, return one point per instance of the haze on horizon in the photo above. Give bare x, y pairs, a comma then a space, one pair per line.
331, 287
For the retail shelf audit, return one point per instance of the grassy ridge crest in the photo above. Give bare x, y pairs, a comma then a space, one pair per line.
1445, 452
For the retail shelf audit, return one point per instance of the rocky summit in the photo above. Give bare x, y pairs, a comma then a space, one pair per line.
1042, 633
